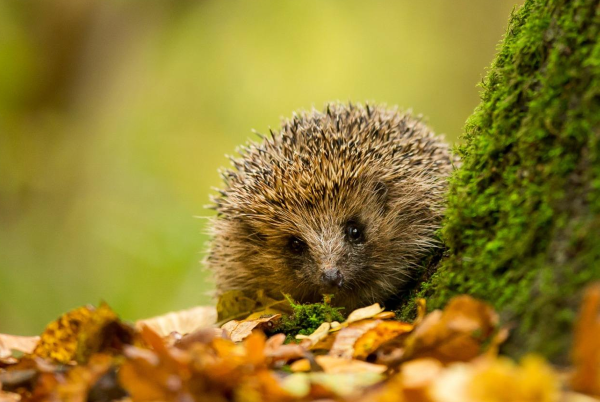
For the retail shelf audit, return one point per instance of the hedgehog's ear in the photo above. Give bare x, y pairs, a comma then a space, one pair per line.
380, 189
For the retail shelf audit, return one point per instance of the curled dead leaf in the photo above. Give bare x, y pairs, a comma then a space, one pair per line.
182, 322
455, 334
11, 343
364, 313
239, 330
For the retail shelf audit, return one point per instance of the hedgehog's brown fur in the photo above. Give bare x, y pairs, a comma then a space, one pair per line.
285, 214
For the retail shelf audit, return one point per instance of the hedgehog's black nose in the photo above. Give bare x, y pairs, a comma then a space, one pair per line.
332, 277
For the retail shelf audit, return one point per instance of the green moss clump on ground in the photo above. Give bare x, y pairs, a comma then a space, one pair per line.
523, 222
306, 318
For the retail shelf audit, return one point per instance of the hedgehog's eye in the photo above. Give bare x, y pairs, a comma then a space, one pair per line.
354, 232
296, 245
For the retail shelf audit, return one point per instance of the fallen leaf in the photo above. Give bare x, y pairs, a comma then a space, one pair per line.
102, 332
79, 381
501, 380
384, 315
301, 365
417, 376
363, 313
455, 334
238, 304
314, 338
159, 374
374, 337
586, 344
337, 365
452, 384
182, 322
343, 346
345, 384
77, 335
239, 330
279, 353
23, 344
9, 397
59, 340
202, 335
234, 304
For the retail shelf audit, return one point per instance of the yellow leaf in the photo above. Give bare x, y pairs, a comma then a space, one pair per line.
502, 380
300, 365
59, 340
80, 333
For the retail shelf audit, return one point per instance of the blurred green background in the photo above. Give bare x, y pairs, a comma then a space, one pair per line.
115, 116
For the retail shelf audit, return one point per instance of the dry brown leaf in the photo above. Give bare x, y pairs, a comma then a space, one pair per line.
277, 352
455, 334
364, 313
9, 397
383, 332
586, 345
384, 315
160, 374
80, 379
182, 322
339, 365
417, 376
310, 341
239, 330
203, 335
23, 344
343, 346
103, 333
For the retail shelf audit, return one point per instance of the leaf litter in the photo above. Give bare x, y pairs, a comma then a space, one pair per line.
448, 355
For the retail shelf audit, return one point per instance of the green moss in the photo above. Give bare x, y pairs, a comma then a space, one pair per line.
306, 318
523, 222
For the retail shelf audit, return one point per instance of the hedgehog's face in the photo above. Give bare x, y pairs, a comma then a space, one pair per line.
347, 248
327, 257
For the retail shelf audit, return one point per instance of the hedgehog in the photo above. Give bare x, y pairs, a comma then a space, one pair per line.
345, 202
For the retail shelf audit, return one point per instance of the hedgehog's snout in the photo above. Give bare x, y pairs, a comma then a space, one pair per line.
332, 278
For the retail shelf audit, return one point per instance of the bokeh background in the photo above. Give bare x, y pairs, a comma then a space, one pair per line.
115, 116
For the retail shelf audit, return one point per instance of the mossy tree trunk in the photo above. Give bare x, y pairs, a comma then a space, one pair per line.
523, 222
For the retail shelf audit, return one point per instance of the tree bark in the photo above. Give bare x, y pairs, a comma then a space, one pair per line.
523, 219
